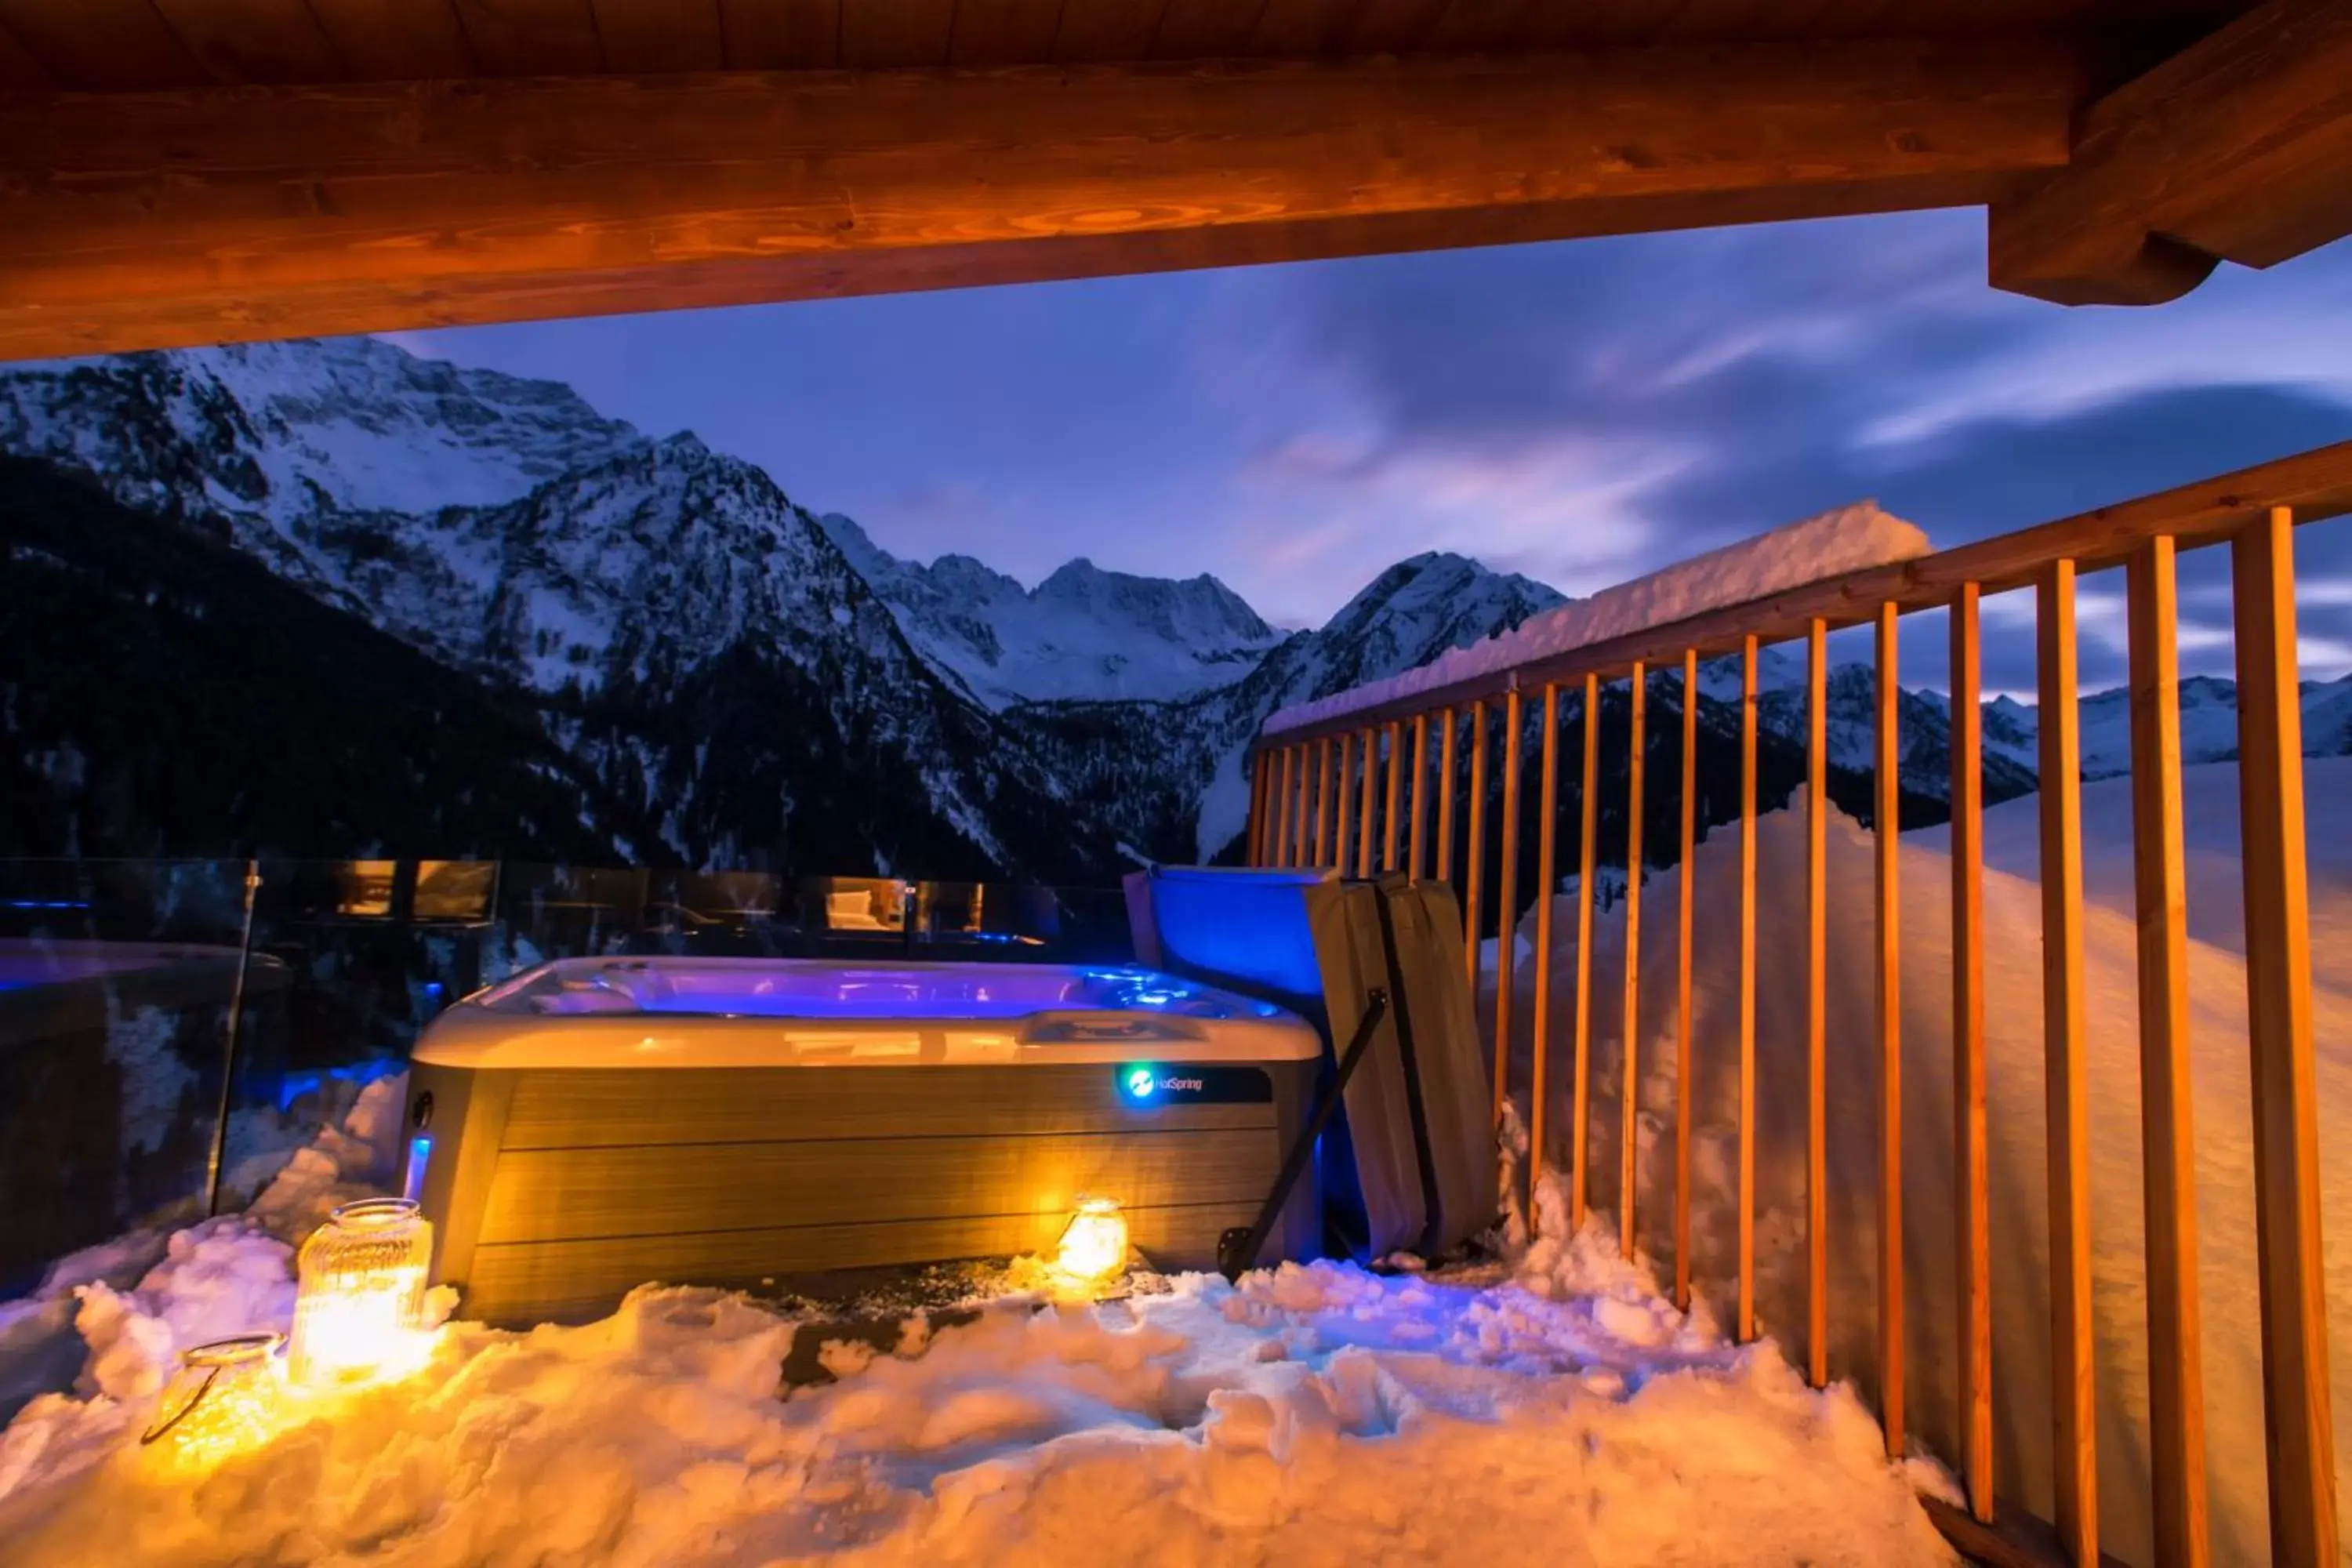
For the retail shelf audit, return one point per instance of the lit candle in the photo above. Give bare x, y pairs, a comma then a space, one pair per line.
359, 1311
228, 1396
1093, 1250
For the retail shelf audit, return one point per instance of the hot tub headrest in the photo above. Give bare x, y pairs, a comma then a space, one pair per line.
1245, 928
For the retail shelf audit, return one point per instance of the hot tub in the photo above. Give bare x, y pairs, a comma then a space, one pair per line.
594, 1124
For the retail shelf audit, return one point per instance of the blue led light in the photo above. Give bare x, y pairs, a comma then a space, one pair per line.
1139, 1082
420, 1154
293, 1086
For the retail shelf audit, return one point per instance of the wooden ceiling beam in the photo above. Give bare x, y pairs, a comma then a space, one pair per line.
781, 35
101, 43
647, 36
394, 40
192, 216
2238, 149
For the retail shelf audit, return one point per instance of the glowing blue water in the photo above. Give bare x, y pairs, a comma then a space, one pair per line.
949, 992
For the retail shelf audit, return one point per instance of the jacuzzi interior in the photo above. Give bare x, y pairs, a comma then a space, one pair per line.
594, 1124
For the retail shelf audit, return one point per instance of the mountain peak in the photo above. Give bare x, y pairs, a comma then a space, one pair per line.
1437, 596
276, 431
1084, 633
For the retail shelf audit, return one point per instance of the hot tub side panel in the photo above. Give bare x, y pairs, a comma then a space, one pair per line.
554, 1192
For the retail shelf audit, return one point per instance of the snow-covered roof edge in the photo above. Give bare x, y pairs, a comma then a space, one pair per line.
1829, 545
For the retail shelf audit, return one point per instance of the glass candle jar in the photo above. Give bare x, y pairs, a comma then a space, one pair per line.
359, 1305
225, 1398
1093, 1250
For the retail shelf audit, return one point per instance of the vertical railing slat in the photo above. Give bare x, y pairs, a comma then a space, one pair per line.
2072, 1350
1547, 883
1630, 1106
1285, 846
1817, 1263
1346, 802
1888, 996
1301, 846
1395, 802
1506, 885
1282, 809
1748, 989
1475, 851
1369, 807
1587, 801
1446, 764
1324, 817
2175, 1378
1418, 798
1253, 847
1308, 782
1273, 811
1972, 1230
1273, 804
1683, 984
2298, 1422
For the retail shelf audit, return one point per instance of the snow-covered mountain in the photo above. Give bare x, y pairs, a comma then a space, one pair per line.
760, 686
270, 438
1082, 633
1171, 775
683, 632
2012, 730
2208, 724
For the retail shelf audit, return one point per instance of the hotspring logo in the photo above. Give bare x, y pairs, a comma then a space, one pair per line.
1143, 1082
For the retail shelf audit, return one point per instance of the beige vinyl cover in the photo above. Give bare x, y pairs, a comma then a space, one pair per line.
1345, 921
1458, 1097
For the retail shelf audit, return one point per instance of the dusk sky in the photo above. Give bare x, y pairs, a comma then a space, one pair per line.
1581, 412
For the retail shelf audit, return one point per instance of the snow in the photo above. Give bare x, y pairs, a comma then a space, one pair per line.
1224, 803
2227, 1272
153, 1077
2209, 725
1831, 544
2013, 843
344, 421
1316, 1414
1082, 634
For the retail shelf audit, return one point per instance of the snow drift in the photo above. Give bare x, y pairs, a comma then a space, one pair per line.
1309, 1415
2015, 1116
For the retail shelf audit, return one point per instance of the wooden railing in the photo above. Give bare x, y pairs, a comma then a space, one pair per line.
2253, 512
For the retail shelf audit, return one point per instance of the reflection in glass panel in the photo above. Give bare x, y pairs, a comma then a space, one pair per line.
367, 888
863, 903
456, 890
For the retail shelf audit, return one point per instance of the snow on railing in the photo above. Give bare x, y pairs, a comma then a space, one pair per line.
1313, 801
1828, 545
